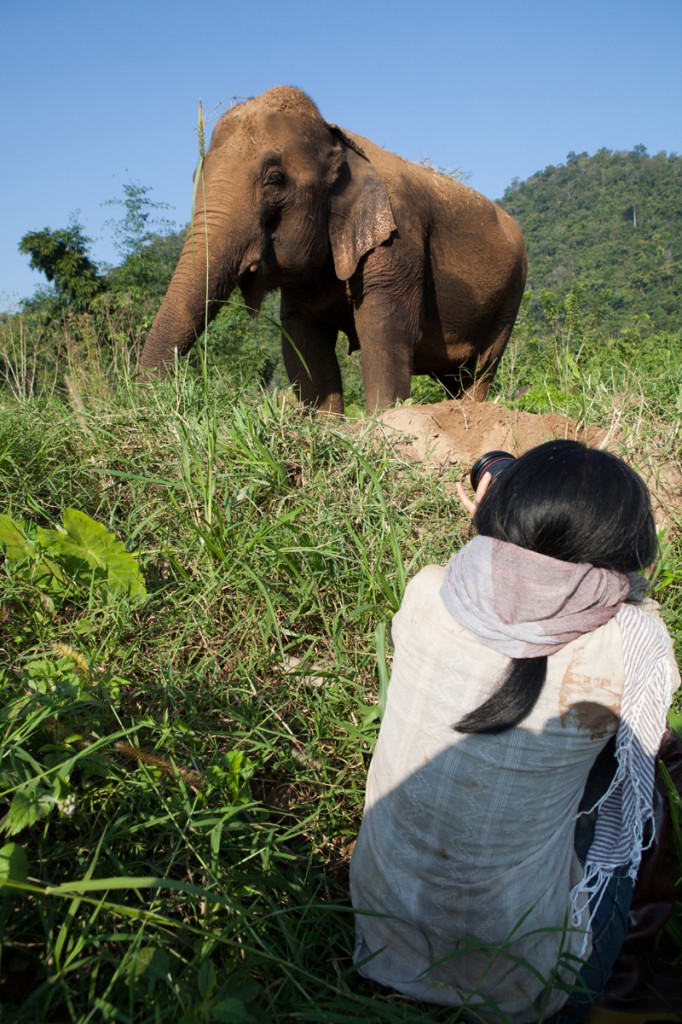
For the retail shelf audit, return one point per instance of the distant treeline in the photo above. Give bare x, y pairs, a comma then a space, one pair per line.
610, 224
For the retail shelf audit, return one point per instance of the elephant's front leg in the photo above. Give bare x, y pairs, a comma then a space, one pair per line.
388, 326
309, 351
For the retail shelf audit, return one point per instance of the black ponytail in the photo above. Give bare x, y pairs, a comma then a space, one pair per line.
514, 700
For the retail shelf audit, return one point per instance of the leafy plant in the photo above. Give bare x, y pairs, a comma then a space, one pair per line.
80, 555
148, 245
62, 256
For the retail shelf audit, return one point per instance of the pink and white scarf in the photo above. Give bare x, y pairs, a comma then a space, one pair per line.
526, 605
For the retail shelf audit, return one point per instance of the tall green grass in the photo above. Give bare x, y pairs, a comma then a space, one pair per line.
190, 769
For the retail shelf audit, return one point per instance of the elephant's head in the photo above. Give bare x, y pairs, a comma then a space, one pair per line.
281, 194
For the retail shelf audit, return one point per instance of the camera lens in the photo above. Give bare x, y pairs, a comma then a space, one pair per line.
493, 463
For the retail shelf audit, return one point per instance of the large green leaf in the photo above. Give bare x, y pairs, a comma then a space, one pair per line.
87, 549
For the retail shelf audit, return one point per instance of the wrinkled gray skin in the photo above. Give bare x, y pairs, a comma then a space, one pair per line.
423, 274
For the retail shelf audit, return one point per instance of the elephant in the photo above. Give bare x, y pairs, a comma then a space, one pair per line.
423, 274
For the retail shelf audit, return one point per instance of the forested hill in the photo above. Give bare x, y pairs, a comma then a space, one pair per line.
612, 224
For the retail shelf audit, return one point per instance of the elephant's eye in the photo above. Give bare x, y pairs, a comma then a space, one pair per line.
275, 178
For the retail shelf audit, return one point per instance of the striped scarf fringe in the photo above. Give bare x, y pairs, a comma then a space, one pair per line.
624, 826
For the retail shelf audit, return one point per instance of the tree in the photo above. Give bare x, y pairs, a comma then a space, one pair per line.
63, 258
139, 238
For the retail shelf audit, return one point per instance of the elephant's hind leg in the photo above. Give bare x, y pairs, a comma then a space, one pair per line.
480, 376
477, 375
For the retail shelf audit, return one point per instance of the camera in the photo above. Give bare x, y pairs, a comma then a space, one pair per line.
492, 462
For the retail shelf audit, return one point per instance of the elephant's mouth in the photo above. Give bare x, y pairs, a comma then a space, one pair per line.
254, 283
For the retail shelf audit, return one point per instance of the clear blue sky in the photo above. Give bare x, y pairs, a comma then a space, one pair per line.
93, 95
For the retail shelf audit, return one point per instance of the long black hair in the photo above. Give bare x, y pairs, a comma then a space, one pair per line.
569, 502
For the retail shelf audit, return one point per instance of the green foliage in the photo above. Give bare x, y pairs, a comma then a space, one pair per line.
183, 773
425, 390
145, 275
149, 246
561, 351
611, 224
62, 256
46, 687
90, 317
77, 557
246, 350
117, 301
50, 576
133, 232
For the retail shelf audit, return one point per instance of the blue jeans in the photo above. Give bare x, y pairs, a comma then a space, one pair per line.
610, 921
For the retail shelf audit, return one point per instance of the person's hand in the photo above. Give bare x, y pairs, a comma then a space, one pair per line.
483, 485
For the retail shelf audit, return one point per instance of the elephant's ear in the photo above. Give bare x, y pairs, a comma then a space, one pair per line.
348, 140
360, 215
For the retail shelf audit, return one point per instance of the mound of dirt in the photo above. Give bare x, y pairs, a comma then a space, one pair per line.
458, 431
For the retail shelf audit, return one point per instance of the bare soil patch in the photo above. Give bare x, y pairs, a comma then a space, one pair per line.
458, 431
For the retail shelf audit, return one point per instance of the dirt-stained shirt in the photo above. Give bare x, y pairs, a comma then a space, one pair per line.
464, 864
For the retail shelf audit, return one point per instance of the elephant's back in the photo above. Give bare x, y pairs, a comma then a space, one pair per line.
448, 204
395, 170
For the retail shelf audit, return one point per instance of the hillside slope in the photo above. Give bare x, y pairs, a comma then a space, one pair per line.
611, 223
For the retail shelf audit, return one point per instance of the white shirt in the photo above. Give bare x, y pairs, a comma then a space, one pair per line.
466, 846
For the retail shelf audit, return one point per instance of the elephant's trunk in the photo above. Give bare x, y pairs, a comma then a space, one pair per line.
203, 280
